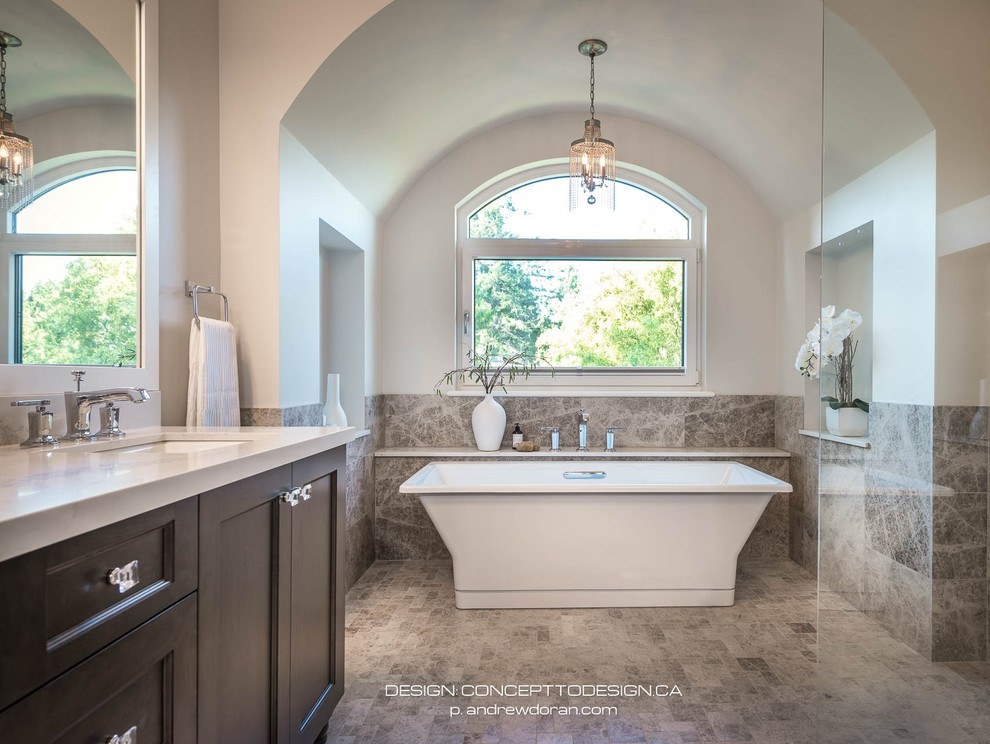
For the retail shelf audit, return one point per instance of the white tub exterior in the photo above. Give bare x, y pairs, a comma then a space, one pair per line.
647, 534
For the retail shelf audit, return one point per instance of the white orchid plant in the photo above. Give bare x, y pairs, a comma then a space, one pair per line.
831, 342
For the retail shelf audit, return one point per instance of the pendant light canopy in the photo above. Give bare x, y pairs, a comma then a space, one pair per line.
592, 157
16, 150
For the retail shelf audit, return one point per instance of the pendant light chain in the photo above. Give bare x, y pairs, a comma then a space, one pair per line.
3, 79
592, 85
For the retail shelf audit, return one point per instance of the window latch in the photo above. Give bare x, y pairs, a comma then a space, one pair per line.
467, 319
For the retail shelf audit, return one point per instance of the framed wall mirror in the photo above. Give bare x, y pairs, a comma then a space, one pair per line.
73, 258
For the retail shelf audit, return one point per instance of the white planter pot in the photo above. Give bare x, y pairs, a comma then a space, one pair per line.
333, 412
847, 422
488, 422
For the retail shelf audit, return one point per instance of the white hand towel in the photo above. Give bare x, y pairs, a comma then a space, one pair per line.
213, 398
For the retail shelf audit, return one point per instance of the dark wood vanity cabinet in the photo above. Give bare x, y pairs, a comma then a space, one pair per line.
141, 688
271, 604
215, 619
98, 634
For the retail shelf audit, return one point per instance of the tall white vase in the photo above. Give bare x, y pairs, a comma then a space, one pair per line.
333, 412
488, 422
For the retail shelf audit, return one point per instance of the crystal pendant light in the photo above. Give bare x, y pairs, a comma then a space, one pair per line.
16, 150
592, 157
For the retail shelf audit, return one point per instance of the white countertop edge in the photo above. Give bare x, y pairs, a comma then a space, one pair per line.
680, 452
25, 531
851, 441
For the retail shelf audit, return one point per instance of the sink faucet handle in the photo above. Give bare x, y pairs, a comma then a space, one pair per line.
77, 375
109, 422
583, 415
39, 403
40, 423
610, 437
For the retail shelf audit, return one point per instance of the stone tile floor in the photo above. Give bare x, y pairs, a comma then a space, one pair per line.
747, 673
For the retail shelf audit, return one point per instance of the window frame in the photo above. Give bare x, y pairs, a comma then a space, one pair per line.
689, 250
13, 245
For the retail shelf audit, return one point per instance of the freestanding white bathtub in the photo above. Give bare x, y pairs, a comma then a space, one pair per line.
593, 534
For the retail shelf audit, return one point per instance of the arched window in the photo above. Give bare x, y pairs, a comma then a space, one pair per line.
539, 210
101, 203
604, 298
73, 253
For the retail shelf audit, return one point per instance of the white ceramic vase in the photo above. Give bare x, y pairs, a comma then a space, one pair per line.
488, 422
847, 422
333, 412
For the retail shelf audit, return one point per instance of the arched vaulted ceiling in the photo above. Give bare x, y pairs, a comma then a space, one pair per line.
743, 79
61, 63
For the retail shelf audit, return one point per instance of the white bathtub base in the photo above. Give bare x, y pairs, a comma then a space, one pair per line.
638, 534
557, 598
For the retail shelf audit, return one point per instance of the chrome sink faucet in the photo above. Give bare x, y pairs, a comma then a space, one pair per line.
78, 405
583, 417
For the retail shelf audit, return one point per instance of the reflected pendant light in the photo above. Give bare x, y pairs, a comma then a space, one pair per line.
592, 157
16, 150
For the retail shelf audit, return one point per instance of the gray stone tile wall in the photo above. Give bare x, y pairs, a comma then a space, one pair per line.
306, 415
961, 466
722, 421
876, 522
803, 502
360, 500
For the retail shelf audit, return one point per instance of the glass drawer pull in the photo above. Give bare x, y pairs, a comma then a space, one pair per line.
128, 737
585, 474
124, 578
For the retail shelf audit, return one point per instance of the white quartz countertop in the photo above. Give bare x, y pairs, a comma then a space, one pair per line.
47, 495
701, 453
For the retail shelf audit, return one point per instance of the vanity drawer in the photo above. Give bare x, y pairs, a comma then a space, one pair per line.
143, 685
62, 603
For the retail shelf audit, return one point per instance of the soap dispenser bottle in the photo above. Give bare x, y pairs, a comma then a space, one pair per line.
517, 437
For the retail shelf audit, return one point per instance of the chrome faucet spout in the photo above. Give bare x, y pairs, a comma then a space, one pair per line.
78, 405
94, 397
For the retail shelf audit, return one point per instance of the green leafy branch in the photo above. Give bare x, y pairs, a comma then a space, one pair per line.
491, 370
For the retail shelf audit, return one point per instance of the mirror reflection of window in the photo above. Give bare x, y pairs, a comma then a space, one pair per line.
75, 273
103, 203
66, 253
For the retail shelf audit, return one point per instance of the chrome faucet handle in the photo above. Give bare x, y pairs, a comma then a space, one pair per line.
610, 437
554, 436
40, 423
77, 375
39, 402
109, 422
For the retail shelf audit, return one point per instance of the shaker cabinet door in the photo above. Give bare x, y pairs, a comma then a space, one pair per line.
316, 662
243, 621
141, 688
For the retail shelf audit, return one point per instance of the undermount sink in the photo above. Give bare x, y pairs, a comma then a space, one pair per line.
171, 447
157, 444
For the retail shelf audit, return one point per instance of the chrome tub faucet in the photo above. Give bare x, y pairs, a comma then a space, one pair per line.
583, 417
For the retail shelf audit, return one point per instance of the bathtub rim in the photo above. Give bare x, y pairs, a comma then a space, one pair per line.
769, 484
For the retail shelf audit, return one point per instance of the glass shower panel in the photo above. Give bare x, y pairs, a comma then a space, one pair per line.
905, 273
